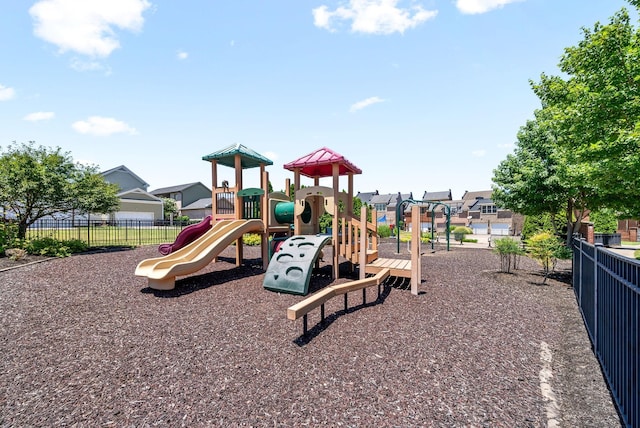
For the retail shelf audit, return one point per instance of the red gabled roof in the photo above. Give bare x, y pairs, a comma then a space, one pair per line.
320, 164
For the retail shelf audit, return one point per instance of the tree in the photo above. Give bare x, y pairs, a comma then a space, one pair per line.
37, 181
170, 208
544, 248
582, 151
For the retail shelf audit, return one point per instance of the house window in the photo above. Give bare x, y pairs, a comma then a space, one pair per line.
380, 207
489, 209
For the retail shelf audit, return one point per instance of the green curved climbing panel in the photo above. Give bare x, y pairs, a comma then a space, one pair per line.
290, 267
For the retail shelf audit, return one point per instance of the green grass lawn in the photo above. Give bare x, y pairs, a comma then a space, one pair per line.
99, 236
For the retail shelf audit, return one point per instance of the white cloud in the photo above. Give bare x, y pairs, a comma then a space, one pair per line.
365, 103
373, 16
39, 116
6, 93
102, 126
478, 153
86, 26
473, 7
182, 55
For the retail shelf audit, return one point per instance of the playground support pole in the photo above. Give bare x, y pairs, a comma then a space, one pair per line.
363, 242
416, 267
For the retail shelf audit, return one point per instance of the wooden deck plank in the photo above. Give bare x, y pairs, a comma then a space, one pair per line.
398, 267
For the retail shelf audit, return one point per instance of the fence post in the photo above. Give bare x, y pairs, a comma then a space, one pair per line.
595, 297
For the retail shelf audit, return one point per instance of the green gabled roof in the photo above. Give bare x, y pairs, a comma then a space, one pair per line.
248, 157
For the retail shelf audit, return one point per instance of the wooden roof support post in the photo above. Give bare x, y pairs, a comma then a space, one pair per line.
362, 256
350, 198
297, 221
214, 185
334, 223
416, 266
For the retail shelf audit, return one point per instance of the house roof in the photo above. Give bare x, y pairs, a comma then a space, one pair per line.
470, 198
477, 194
444, 195
475, 206
320, 164
138, 194
382, 199
248, 157
123, 168
177, 188
365, 197
199, 204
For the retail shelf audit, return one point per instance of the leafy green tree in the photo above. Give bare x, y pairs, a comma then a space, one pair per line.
37, 181
540, 223
604, 221
582, 151
170, 208
544, 248
460, 232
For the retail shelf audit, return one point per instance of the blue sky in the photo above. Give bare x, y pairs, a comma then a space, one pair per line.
423, 95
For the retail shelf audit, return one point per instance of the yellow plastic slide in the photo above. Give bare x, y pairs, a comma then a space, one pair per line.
162, 271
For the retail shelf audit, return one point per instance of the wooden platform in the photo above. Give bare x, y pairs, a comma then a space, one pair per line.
398, 267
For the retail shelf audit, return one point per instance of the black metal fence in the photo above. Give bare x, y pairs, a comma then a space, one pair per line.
607, 287
99, 233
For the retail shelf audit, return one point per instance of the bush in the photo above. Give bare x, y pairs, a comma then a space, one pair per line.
8, 236
53, 248
460, 232
509, 251
251, 239
544, 247
384, 231
636, 254
563, 252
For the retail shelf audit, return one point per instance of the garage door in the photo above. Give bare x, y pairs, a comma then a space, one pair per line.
479, 229
132, 215
500, 229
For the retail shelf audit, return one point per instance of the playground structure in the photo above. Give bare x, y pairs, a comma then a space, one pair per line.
291, 239
187, 236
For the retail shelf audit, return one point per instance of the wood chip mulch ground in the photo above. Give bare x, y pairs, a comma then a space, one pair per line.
84, 342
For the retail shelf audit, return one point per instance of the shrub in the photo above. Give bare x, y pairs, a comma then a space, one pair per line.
47, 247
460, 232
384, 231
509, 251
8, 236
52, 247
563, 252
544, 248
251, 239
636, 254
76, 245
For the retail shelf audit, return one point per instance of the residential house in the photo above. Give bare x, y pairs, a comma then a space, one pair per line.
135, 202
365, 197
485, 217
184, 194
433, 210
385, 206
192, 199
